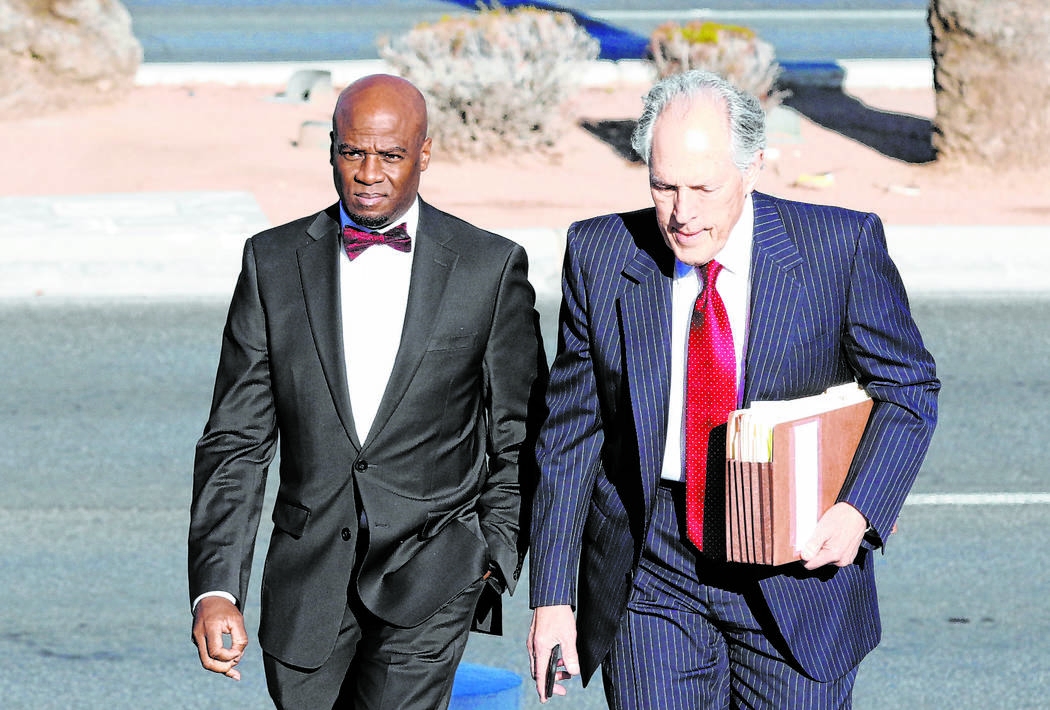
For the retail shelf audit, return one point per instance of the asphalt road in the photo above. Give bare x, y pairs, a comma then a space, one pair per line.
102, 403
286, 30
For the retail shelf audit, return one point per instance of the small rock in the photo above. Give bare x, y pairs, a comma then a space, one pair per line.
314, 134
815, 181
906, 190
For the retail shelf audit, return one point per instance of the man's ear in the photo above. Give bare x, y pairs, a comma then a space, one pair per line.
754, 170
424, 154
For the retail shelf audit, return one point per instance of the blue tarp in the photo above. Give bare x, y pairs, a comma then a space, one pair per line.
483, 688
616, 43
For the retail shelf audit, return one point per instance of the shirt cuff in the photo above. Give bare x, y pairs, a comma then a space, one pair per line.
225, 595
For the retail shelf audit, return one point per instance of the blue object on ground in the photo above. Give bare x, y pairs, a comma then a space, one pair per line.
485, 688
615, 42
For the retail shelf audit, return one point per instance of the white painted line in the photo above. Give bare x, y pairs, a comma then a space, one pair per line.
888, 73
780, 15
256, 73
596, 73
978, 499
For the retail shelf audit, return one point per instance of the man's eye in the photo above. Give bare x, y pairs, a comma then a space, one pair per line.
353, 154
392, 158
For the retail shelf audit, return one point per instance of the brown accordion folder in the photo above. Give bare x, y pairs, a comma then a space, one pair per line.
782, 475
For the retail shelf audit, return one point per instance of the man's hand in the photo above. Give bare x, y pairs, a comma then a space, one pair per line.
552, 625
213, 617
836, 538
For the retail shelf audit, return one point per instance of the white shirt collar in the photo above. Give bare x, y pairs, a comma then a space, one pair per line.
410, 219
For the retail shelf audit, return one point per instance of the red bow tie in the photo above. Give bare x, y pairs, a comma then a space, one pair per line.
356, 241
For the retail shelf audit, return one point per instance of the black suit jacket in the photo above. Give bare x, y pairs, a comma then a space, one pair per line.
438, 475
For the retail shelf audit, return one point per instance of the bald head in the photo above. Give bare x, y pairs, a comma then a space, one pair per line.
383, 92
379, 148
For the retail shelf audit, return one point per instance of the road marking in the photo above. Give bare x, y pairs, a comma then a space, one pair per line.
749, 15
978, 499
83, 514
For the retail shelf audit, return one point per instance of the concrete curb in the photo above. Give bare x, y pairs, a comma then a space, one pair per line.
932, 259
850, 74
188, 245
972, 259
159, 244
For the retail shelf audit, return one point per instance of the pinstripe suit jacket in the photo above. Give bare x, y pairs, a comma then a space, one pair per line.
827, 306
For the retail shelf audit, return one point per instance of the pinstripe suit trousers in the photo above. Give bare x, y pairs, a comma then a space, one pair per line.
698, 635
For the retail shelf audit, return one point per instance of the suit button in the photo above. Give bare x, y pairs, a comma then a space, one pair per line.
345, 532
361, 466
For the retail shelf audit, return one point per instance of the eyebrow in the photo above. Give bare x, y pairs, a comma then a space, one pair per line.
382, 151
660, 184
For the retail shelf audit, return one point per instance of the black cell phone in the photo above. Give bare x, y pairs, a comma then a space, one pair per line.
552, 669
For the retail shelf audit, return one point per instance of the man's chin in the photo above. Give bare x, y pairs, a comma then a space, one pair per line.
694, 255
696, 251
371, 221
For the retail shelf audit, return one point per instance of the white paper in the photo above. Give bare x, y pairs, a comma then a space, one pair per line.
750, 433
806, 439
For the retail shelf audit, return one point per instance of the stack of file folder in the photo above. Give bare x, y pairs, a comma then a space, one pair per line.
785, 465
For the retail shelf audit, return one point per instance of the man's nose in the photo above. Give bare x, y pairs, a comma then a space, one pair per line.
371, 170
686, 206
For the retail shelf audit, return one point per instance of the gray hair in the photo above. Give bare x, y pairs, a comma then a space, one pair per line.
747, 120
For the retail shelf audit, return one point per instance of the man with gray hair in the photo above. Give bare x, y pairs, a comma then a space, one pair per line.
672, 317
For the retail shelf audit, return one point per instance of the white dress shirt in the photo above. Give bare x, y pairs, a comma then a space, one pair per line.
734, 286
373, 295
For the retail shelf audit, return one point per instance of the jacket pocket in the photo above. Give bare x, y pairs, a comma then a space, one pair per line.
290, 517
451, 342
437, 521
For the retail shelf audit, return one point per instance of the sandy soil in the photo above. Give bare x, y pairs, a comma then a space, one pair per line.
210, 137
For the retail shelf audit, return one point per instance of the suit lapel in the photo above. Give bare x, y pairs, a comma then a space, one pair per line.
432, 265
319, 274
646, 312
775, 289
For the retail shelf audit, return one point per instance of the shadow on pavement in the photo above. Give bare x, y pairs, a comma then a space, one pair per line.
895, 135
616, 134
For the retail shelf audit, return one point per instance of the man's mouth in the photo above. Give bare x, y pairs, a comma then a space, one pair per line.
369, 198
684, 235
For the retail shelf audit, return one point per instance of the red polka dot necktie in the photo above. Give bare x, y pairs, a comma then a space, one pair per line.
710, 392
356, 241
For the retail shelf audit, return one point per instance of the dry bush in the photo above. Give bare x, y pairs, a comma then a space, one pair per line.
493, 80
735, 53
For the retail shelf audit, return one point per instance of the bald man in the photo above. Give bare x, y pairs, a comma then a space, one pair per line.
392, 350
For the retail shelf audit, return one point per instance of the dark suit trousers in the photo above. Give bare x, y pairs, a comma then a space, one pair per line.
698, 635
376, 666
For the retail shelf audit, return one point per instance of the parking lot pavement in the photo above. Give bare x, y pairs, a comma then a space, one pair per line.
104, 401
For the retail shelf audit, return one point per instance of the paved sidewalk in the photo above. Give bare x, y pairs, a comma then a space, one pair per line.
188, 245
161, 244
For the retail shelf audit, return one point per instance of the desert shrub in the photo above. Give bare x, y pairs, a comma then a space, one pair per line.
493, 80
735, 53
